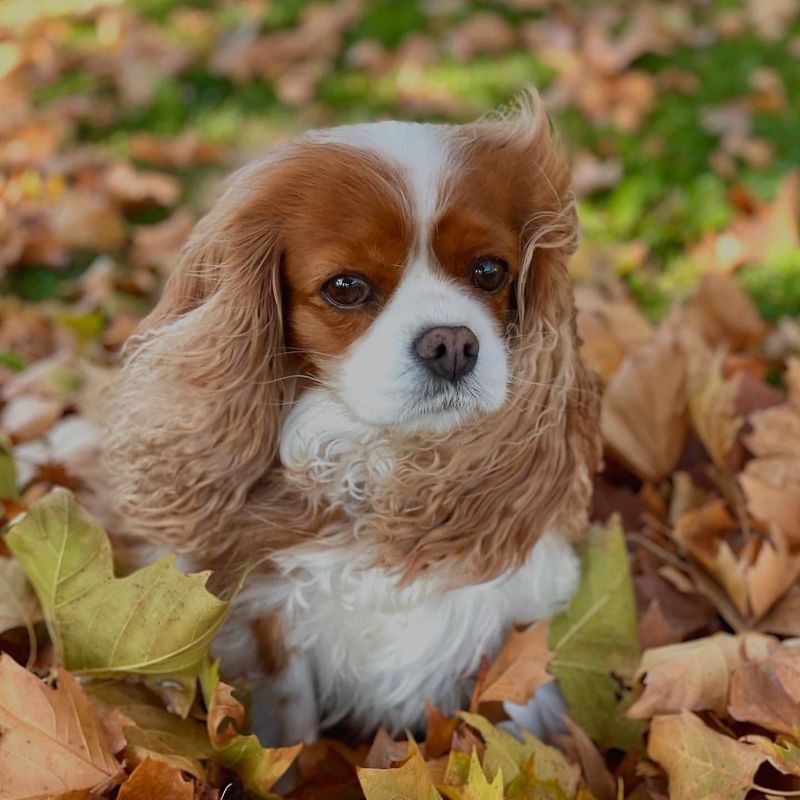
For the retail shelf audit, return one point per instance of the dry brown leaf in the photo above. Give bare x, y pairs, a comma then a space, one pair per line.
775, 432
724, 314
51, 742
712, 404
700, 534
701, 764
88, 220
772, 489
439, 730
599, 779
155, 780
132, 188
520, 667
773, 569
608, 330
643, 418
783, 618
186, 150
28, 416
766, 691
693, 675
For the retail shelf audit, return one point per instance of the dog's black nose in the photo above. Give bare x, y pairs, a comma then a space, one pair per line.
448, 352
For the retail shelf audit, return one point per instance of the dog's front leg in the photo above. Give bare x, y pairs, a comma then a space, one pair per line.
284, 704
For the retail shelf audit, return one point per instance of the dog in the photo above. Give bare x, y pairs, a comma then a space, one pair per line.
363, 376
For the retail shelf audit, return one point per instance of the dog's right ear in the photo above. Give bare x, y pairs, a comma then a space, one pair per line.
201, 397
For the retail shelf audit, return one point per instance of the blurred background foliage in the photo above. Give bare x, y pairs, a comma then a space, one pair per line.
120, 118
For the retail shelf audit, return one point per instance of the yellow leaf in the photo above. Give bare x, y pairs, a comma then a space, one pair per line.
411, 781
701, 764
478, 787
507, 754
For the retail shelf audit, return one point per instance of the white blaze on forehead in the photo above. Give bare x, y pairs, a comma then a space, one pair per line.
421, 153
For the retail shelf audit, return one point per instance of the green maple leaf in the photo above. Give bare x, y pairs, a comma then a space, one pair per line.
157, 622
595, 644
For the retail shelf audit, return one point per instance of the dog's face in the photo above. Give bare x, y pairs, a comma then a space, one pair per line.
400, 254
393, 263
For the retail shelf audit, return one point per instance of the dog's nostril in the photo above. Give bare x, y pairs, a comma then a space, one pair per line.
448, 352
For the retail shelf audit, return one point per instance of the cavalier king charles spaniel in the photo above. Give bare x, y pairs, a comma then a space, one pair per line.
363, 376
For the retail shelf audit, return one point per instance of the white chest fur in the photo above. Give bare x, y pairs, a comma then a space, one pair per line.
371, 652
363, 649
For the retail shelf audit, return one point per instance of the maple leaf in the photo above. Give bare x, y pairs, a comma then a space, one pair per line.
701, 764
772, 490
51, 742
694, 675
766, 691
259, 767
508, 755
783, 754
643, 417
712, 404
410, 781
154, 780
595, 644
157, 622
520, 667
135, 719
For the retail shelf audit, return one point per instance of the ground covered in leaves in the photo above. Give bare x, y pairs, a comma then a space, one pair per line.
679, 658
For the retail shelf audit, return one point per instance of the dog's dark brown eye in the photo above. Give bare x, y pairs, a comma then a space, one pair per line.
346, 291
489, 273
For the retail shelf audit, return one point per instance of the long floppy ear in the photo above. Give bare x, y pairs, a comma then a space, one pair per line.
200, 397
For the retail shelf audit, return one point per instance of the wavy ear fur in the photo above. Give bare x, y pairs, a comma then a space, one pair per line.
201, 394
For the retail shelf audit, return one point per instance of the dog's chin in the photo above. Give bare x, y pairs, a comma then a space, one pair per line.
447, 410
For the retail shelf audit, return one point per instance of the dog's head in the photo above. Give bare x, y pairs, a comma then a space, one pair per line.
414, 273
393, 262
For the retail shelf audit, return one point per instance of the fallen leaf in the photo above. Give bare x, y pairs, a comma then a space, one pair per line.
520, 667
712, 404
90, 614
478, 786
784, 617
18, 604
508, 755
439, 730
700, 533
693, 675
772, 490
27, 417
594, 642
411, 781
136, 721
783, 754
51, 743
154, 780
766, 691
258, 767
724, 314
701, 763
643, 417
598, 777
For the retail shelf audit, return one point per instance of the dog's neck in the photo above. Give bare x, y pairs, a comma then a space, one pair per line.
328, 452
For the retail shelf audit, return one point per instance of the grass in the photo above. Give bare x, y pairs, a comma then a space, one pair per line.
668, 196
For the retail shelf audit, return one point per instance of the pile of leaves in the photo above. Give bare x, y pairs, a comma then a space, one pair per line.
678, 660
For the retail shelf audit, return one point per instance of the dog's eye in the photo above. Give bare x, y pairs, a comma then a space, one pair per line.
346, 291
489, 273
